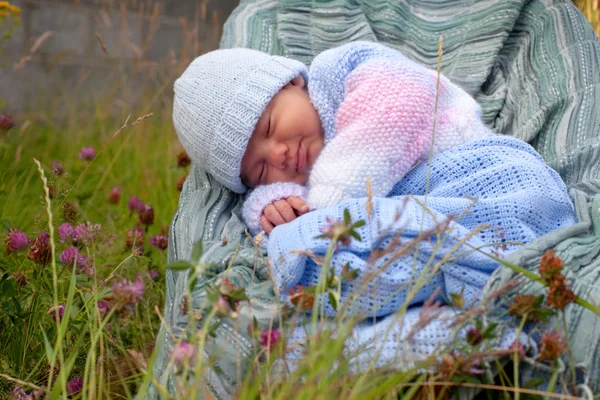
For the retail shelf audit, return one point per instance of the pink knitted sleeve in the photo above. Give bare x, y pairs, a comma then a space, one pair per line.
384, 126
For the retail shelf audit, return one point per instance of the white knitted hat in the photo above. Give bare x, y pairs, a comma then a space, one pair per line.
218, 101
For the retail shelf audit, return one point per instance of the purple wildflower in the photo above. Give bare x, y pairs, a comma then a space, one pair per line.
61, 312
39, 393
183, 353
87, 268
6, 122
475, 370
40, 251
66, 232
19, 393
159, 241
138, 250
75, 385
153, 274
114, 196
87, 153
15, 241
57, 168
134, 236
70, 255
135, 204
146, 215
474, 336
519, 349
86, 233
223, 307
79, 233
128, 292
103, 308
269, 338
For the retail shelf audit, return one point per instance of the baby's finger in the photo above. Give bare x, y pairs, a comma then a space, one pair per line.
299, 205
285, 210
265, 224
273, 215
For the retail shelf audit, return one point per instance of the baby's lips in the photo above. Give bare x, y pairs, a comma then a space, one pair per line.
300, 158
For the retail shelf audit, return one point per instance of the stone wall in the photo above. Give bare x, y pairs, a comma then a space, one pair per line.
103, 53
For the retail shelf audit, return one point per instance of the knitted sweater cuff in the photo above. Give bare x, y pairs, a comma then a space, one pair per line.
258, 199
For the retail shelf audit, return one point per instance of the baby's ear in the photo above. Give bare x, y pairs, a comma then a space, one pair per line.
298, 81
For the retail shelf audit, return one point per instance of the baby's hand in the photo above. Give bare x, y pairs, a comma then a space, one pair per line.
282, 211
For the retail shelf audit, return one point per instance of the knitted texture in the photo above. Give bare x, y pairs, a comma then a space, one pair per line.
388, 340
258, 199
218, 101
377, 108
499, 182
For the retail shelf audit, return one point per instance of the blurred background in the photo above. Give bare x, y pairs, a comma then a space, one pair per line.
76, 58
66, 58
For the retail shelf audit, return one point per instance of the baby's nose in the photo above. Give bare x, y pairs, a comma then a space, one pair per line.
279, 155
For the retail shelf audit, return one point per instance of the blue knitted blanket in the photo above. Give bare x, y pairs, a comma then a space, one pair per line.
493, 194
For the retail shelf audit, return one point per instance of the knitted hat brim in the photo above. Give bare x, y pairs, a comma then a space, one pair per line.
241, 116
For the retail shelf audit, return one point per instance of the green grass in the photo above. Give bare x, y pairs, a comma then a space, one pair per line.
141, 161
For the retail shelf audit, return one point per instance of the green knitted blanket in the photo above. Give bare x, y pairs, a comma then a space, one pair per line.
533, 66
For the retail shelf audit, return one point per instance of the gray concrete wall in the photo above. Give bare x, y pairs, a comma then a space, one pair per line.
147, 44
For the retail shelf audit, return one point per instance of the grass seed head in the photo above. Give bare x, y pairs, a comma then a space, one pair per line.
70, 212
550, 265
552, 346
559, 294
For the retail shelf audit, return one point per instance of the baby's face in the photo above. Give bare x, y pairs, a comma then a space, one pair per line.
286, 141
